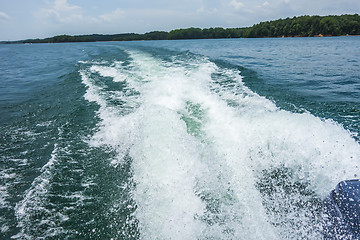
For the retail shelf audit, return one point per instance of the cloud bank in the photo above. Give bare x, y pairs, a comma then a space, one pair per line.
4, 17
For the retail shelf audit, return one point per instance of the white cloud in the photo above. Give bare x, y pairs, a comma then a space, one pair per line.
200, 10
235, 4
63, 12
64, 6
204, 10
4, 17
118, 13
67, 14
264, 4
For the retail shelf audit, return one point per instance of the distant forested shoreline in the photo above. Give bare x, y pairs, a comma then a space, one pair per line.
303, 26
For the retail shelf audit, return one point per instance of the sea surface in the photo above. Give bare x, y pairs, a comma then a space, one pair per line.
188, 139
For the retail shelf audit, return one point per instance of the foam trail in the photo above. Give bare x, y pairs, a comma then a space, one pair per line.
33, 202
165, 159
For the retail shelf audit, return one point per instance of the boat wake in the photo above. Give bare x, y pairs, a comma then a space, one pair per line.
210, 159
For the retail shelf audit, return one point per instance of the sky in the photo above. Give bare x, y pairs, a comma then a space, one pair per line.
24, 19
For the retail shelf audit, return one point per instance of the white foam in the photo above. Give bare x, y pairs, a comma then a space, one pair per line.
4, 228
114, 125
3, 196
165, 173
109, 72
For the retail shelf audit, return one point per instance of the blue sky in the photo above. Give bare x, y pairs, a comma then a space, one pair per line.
22, 19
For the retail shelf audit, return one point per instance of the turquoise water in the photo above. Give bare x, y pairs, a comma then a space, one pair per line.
193, 139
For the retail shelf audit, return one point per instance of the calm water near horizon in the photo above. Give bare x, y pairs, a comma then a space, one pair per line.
188, 139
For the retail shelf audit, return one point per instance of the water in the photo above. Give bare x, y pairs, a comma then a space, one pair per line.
198, 139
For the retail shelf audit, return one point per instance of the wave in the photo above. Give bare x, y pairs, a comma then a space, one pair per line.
211, 159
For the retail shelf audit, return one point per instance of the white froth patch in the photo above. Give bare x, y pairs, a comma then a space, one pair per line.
115, 129
7, 177
109, 72
4, 228
93, 62
3, 196
164, 170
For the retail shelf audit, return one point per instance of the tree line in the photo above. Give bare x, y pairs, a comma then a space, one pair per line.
307, 26
303, 26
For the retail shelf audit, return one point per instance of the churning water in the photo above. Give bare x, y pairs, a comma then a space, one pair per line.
201, 139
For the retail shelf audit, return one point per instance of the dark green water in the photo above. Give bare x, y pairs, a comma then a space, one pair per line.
200, 139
